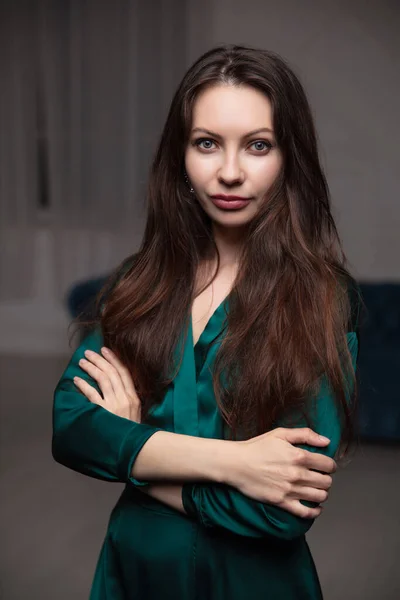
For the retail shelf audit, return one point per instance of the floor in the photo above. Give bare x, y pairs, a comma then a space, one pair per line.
52, 520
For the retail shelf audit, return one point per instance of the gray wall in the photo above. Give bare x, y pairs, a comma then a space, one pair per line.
347, 55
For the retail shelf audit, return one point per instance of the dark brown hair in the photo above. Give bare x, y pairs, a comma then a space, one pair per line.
289, 308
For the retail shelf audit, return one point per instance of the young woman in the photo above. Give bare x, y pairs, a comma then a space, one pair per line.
223, 349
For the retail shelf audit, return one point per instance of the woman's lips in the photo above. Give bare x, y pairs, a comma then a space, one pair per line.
230, 202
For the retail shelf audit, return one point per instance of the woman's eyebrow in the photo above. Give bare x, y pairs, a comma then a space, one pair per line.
216, 135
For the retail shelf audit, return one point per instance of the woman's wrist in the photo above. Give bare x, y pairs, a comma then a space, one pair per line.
224, 462
229, 463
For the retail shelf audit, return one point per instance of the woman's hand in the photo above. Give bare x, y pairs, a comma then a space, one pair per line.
115, 383
271, 470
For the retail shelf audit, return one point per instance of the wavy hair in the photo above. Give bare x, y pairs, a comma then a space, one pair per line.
289, 307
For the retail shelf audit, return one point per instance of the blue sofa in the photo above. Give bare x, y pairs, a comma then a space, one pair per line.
379, 362
379, 356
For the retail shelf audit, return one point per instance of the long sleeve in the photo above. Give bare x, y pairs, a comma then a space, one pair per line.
86, 437
219, 505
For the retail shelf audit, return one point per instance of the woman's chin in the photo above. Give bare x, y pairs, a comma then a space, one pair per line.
232, 219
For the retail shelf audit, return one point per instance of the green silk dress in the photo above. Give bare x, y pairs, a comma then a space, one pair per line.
227, 546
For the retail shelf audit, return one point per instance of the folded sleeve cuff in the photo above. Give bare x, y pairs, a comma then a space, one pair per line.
187, 499
130, 448
192, 500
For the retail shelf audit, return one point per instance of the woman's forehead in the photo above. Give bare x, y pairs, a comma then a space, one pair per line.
229, 109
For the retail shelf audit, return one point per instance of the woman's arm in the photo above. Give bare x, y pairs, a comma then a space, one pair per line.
94, 441
91, 440
87, 438
220, 505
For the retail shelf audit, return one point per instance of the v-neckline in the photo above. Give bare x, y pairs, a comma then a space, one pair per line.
205, 334
193, 357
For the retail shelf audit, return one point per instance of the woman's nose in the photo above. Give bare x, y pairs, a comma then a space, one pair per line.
230, 171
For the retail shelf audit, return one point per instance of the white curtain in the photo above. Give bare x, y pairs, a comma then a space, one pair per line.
87, 90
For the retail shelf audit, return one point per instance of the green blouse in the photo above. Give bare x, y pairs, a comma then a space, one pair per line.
228, 546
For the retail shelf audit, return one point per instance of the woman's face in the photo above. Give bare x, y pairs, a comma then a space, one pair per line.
232, 152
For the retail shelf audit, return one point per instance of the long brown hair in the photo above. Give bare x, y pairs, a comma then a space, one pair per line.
289, 307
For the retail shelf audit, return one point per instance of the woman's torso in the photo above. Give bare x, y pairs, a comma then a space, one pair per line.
152, 551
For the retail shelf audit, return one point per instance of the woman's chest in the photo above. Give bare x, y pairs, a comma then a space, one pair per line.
206, 303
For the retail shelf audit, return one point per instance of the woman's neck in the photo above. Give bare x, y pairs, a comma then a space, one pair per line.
229, 243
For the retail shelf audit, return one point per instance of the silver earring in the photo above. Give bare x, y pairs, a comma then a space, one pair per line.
188, 183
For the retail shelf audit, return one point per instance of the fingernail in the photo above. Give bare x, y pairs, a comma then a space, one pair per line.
106, 350
324, 439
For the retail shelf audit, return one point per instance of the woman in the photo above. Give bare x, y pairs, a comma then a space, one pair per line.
224, 347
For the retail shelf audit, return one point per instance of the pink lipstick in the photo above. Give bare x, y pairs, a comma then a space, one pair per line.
230, 202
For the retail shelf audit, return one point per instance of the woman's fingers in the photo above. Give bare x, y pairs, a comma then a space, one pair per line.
301, 435
305, 512
113, 379
122, 370
99, 376
103, 372
89, 391
308, 493
318, 462
315, 480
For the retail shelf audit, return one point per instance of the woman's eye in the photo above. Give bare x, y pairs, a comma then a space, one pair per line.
261, 145
204, 144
